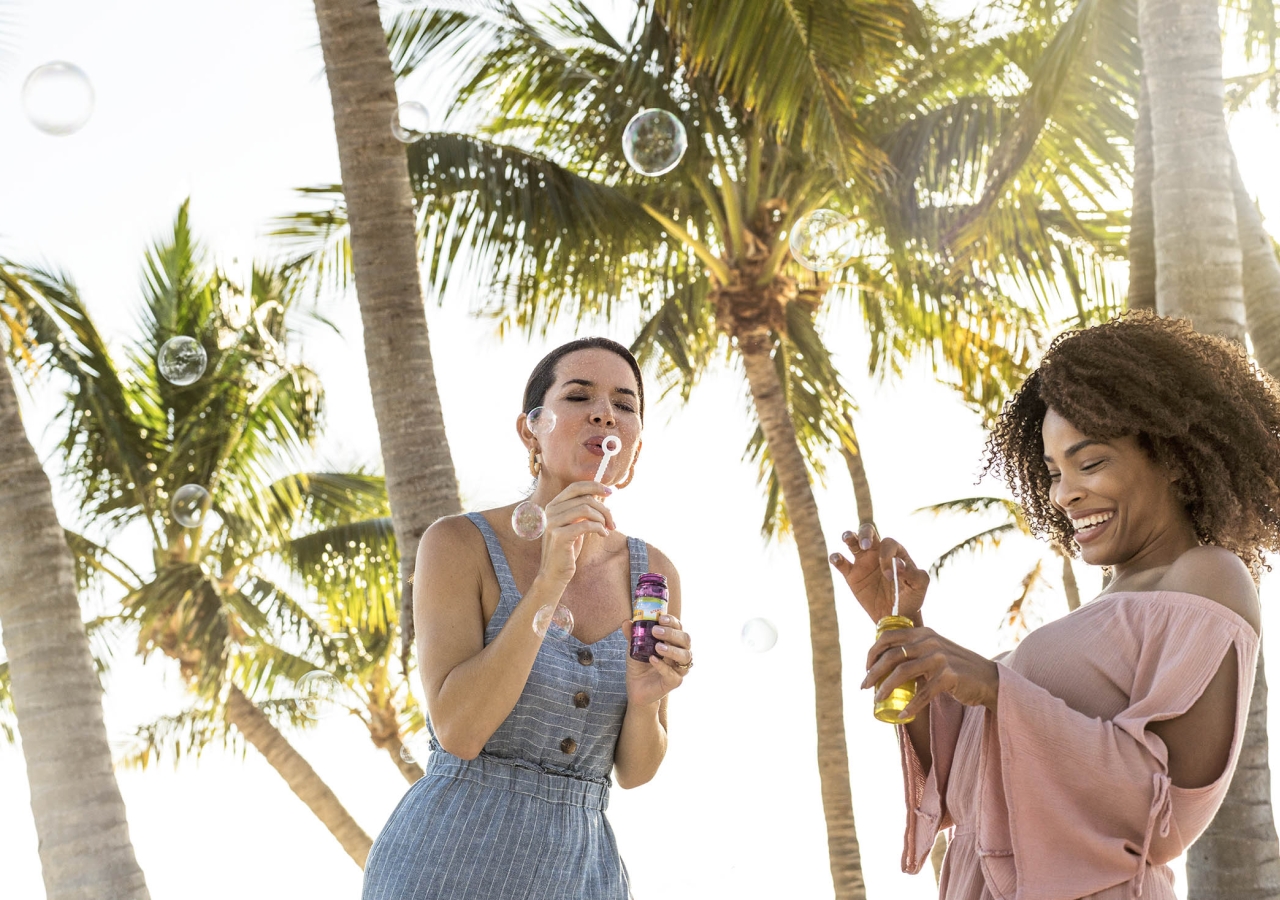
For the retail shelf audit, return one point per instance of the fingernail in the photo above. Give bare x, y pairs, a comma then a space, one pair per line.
865, 544
847, 536
902, 715
607, 489
661, 646
658, 629
664, 619
834, 559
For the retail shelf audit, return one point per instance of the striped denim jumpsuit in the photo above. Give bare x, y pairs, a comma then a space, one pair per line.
525, 819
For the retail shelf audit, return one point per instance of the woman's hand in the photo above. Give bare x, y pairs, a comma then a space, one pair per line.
573, 514
937, 665
870, 574
648, 682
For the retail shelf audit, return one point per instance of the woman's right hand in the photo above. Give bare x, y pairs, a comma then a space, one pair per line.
573, 514
870, 574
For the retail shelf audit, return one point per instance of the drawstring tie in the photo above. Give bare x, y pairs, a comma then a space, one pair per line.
1161, 809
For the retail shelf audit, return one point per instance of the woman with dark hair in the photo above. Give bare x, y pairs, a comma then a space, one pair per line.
1082, 762
527, 724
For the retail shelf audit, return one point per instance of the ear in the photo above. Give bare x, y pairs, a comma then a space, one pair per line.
527, 437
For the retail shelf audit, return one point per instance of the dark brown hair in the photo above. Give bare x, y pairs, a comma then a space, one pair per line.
544, 373
1195, 403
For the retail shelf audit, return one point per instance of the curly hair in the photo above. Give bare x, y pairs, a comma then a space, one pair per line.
1196, 404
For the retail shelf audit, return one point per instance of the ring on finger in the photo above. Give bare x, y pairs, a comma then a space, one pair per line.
905, 654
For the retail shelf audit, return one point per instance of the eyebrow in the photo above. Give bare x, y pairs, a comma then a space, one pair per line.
585, 383
1075, 448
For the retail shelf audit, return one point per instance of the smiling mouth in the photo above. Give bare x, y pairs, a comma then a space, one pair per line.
1088, 527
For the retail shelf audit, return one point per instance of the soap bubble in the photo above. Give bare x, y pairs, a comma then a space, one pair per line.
410, 123
556, 621
319, 694
823, 240
528, 520
654, 142
189, 505
407, 754
58, 98
542, 421
182, 360
759, 635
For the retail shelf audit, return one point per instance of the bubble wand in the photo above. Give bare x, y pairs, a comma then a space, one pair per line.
610, 446
887, 710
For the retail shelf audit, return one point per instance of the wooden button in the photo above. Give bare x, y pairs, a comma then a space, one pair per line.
586, 657
581, 700
568, 745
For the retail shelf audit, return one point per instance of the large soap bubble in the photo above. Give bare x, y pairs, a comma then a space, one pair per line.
554, 620
823, 240
528, 520
189, 505
319, 695
759, 635
542, 421
654, 142
182, 360
58, 98
410, 122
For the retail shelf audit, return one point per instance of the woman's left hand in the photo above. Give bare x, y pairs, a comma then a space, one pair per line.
937, 665
649, 682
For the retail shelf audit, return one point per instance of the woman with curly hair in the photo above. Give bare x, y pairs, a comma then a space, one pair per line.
1082, 762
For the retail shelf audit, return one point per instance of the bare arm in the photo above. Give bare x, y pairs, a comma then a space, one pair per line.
642, 743
1199, 740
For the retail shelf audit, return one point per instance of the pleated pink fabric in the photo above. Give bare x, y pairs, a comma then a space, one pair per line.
1063, 794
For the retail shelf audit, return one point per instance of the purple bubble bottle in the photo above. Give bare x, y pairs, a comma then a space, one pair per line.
649, 602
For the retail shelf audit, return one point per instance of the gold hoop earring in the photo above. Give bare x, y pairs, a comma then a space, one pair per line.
621, 484
535, 462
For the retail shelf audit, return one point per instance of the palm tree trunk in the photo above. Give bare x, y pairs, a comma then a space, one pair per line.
858, 474
1142, 245
824, 626
1261, 273
1069, 584
1193, 206
421, 483
1237, 858
298, 774
85, 851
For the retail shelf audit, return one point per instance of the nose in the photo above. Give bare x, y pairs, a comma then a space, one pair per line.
602, 414
1065, 492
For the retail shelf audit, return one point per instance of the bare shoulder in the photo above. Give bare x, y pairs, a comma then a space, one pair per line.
455, 539
1218, 574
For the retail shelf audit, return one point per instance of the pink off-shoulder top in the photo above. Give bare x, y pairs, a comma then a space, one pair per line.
1064, 793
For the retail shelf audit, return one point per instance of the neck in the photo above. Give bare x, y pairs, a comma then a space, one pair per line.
1158, 553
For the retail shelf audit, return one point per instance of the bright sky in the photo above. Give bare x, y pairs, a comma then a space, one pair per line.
226, 103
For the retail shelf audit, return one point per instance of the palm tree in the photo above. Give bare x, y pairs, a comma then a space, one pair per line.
133, 438
881, 112
1013, 523
49, 676
415, 451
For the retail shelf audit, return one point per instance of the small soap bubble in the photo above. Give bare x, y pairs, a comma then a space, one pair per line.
407, 754
528, 520
555, 621
654, 142
823, 240
58, 98
410, 122
189, 505
319, 695
542, 421
182, 360
759, 635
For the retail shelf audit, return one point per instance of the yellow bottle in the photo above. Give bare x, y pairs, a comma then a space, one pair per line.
887, 710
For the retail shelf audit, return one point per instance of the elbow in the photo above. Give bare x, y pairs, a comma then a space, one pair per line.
627, 782
461, 745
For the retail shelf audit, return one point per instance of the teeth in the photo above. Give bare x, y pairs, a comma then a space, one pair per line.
1089, 521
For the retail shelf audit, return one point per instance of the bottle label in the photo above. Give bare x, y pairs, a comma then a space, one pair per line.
647, 609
